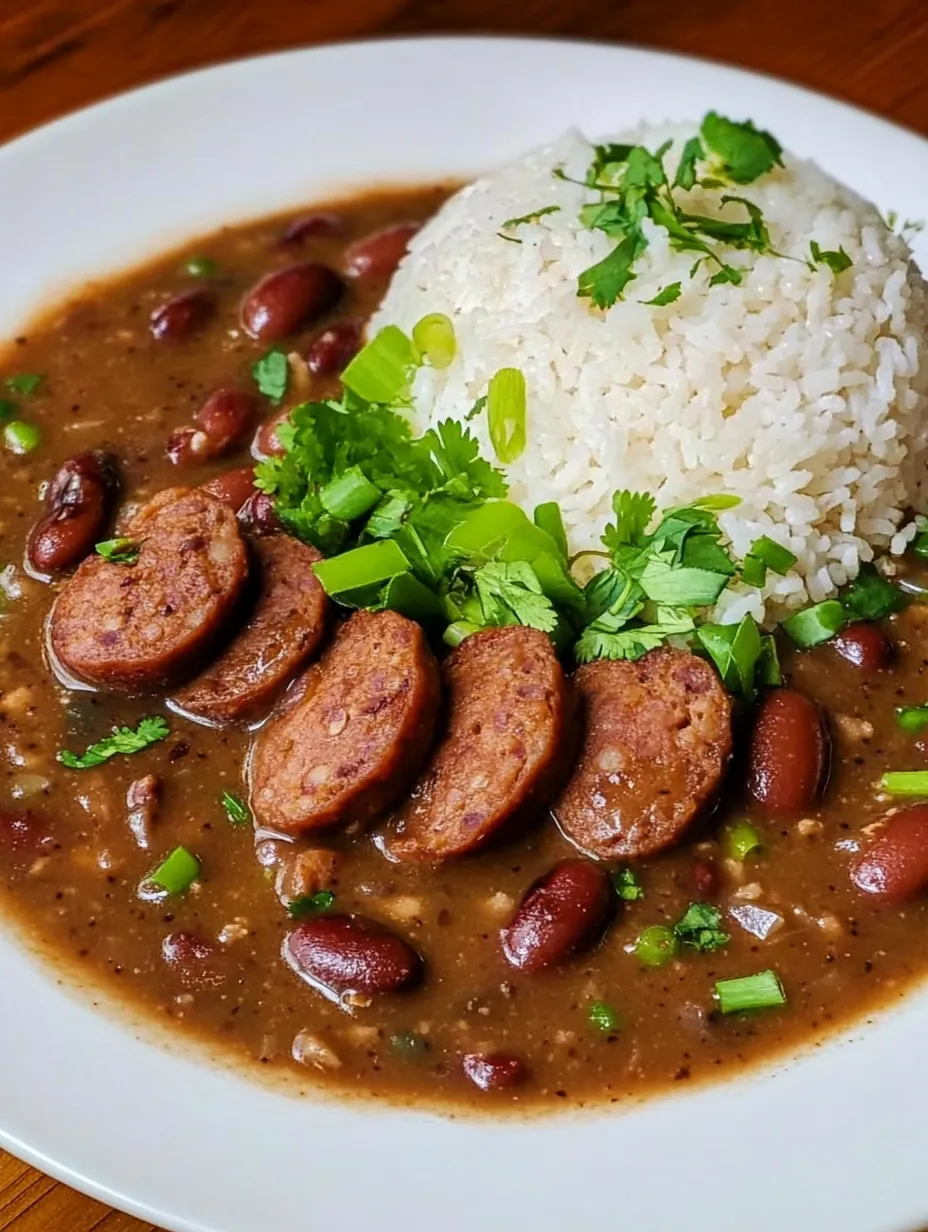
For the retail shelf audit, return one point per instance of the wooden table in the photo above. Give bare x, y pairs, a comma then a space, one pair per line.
56, 55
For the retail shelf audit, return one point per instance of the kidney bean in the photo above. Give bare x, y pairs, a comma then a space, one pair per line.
192, 957
287, 299
894, 866
233, 487
788, 756
78, 503
378, 254
267, 443
340, 954
318, 223
565, 910
334, 348
221, 423
143, 797
493, 1071
23, 836
182, 315
705, 878
864, 646
259, 516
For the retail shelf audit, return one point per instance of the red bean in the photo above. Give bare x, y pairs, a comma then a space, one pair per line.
78, 503
267, 443
493, 1071
864, 646
286, 300
705, 878
339, 954
192, 957
378, 254
334, 348
318, 223
258, 515
222, 422
182, 315
894, 866
565, 910
788, 757
23, 836
234, 487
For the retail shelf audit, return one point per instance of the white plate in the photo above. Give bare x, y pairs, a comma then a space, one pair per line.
835, 1141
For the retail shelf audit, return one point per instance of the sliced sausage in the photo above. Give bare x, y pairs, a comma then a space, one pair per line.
894, 866
280, 636
343, 954
564, 911
788, 756
358, 733
658, 740
78, 505
148, 625
504, 752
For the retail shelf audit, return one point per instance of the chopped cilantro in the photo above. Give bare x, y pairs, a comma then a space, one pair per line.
604, 282
310, 904
667, 295
700, 927
738, 651
870, 596
510, 593
236, 809
119, 551
742, 153
837, 262
272, 374
627, 885
123, 740
524, 219
24, 383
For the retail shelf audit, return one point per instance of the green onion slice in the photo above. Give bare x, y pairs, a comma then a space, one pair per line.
773, 555
177, 873
236, 809
604, 1018
350, 495
816, 624
365, 566
655, 946
741, 840
905, 782
201, 267
750, 992
912, 719
21, 437
380, 371
506, 404
433, 339
456, 632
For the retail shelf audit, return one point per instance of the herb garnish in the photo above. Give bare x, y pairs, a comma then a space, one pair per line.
627, 885
511, 223
24, 383
119, 551
604, 1018
236, 809
837, 262
700, 927
123, 740
272, 374
310, 904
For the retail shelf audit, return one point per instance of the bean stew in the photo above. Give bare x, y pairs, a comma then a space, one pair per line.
321, 839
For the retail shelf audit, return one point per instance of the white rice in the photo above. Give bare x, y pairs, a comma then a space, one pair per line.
799, 391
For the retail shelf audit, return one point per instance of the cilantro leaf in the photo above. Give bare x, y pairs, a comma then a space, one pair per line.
664, 581
633, 512
120, 551
236, 809
604, 282
701, 928
598, 641
686, 170
510, 593
523, 219
24, 383
310, 904
736, 651
460, 470
607, 160
743, 152
870, 596
837, 262
627, 885
272, 374
123, 740
666, 295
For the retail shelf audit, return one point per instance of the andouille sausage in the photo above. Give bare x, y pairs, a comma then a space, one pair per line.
658, 740
504, 752
356, 737
152, 623
279, 637
77, 508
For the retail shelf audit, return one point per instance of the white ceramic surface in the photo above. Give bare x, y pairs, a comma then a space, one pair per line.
834, 1141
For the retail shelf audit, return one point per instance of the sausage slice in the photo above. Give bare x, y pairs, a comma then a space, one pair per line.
148, 625
505, 747
356, 736
658, 739
281, 635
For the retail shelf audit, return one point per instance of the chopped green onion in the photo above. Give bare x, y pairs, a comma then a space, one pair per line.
483, 533
350, 495
236, 809
409, 1044
753, 571
919, 547
433, 339
119, 551
380, 371
627, 885
750, 992
410, 597
366, 566
768, 665
912, 719
773, 555
741, 840
604, 1018
547, 517
24, 383
870, 596
21, 437
178, 872
905, 782
456, 632
201, 267
506, 405
310, 904
816, 624
655, 946
7, 409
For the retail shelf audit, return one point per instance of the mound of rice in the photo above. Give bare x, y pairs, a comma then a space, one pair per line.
800, 391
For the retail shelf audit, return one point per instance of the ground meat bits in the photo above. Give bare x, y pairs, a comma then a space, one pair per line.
508, 740
147, 625
282, 633
355, 738
658, 739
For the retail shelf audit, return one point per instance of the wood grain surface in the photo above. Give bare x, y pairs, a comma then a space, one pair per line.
56, 55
